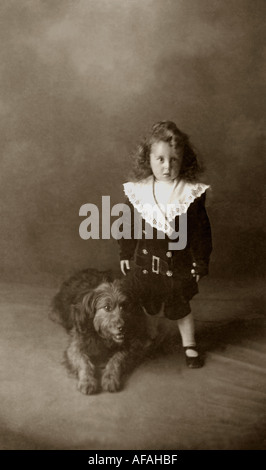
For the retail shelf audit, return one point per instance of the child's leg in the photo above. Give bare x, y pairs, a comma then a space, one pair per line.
187, 331
153, 322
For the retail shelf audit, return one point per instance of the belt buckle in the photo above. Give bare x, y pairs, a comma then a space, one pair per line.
155, 264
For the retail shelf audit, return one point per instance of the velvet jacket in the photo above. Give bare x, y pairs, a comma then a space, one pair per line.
195, 255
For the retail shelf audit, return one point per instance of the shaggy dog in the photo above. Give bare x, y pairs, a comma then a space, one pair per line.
107, 329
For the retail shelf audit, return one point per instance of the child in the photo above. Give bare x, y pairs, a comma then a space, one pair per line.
165, 176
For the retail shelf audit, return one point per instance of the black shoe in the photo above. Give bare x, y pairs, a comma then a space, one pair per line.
193, 362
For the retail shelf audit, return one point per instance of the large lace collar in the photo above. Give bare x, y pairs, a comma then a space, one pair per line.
141, 196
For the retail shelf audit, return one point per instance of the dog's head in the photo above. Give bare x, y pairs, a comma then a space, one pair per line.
107, 308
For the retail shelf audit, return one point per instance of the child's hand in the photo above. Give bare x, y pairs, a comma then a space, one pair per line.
124, 265
194, 274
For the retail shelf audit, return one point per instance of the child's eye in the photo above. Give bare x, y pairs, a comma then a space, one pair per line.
160, 159
107, 308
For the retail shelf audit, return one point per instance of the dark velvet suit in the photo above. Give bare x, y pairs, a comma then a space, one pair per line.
158, 274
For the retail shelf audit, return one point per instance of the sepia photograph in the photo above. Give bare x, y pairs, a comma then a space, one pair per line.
133, 233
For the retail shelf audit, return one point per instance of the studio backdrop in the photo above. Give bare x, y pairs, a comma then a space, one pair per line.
83, 81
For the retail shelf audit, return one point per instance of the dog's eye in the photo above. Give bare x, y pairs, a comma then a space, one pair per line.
107, 308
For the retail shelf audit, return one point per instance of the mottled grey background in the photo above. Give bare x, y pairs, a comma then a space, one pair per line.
83, 80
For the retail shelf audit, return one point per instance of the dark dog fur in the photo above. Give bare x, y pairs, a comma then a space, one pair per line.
107, 328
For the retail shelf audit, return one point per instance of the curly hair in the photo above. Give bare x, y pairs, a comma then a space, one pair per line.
165, 131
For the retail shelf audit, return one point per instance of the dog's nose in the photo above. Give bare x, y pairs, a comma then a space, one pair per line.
121, 328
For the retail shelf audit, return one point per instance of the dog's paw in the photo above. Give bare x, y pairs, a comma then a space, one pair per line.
88, 386
111, 383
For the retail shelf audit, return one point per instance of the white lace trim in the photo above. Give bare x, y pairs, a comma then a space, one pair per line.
158, 216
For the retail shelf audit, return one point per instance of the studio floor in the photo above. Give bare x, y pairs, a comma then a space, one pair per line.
163, 405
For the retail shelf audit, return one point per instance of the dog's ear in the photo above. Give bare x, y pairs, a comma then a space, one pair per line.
89, 304
83, 312
78, 317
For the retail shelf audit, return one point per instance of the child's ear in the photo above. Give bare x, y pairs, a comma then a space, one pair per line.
83, 311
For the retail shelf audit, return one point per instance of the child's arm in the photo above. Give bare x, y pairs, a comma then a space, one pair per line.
200, 237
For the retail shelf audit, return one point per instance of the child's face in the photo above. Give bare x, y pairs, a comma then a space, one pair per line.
165, 161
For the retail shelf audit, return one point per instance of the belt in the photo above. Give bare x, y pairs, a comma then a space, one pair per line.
154, 265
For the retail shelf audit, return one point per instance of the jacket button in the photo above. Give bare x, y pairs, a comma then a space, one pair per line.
169, 273
145, 271
169, 254
144, 251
